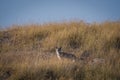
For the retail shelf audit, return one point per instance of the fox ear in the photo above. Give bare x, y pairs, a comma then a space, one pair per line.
56, 47
60, 48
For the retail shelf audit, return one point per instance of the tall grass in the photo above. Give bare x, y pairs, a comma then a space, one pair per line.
28, 52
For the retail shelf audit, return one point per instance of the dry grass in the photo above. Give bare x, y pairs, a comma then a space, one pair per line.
27, 52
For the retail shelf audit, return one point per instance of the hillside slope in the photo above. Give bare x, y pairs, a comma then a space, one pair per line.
28, 52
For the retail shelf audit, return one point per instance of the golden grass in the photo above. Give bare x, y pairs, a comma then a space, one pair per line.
28, 52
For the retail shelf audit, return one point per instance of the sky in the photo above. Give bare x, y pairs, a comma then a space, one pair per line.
43, 11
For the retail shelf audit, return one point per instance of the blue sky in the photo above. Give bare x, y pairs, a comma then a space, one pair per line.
42, 11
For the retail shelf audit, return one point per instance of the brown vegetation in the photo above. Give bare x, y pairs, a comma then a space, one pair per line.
28, 52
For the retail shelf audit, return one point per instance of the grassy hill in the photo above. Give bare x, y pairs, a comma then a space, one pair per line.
27, 52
